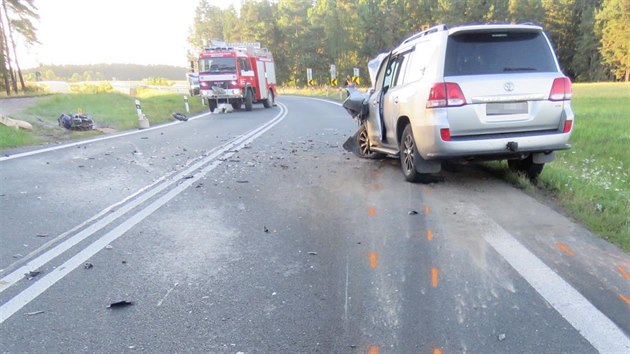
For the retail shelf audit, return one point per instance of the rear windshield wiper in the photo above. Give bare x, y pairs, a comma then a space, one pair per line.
519, 69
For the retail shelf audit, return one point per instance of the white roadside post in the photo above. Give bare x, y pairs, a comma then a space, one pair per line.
143, 121
186, 104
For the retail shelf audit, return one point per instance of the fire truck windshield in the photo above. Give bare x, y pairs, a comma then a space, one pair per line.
217, 65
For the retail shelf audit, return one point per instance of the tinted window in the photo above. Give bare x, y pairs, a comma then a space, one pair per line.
497, 53
217, 65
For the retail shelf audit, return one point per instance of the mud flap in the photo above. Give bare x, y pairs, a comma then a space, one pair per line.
543, 158
351, 144
427, 166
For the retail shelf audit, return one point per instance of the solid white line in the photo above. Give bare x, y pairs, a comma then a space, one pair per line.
89, 141
592, 324
38, 287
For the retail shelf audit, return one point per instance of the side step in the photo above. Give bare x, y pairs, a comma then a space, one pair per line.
391, 152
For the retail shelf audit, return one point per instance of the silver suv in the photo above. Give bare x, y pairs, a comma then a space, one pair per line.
492, 92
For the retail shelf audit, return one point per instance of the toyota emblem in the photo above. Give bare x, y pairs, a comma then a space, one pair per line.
508, 86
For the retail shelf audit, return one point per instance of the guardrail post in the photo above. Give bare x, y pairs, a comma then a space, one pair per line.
186, 104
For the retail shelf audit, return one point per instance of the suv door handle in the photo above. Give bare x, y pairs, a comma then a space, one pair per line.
396, 99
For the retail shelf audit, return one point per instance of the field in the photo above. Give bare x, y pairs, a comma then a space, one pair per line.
110, 111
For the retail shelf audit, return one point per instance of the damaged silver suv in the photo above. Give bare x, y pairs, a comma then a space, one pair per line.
491, 92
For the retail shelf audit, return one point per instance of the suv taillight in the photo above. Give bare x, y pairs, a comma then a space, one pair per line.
561, 89
446, 94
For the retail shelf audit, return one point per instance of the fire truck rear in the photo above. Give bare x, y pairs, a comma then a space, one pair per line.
237, 74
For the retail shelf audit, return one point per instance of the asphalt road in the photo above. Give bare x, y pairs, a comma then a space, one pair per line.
255, 232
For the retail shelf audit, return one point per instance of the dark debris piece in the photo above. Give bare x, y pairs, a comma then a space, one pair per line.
88, 265
265, 229
179, 116
413, 212
119, 304
32, 274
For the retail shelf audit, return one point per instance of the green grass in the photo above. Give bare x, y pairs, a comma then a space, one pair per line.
11, 137
108, 110
591, 181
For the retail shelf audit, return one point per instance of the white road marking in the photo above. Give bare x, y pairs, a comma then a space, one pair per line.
89, 141
38, 287
591, 323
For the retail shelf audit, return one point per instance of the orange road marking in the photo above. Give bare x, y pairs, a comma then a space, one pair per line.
437, 351
623, 273
434, 277
625, 299
426, 210
373, 349
372, 211
564, 248
429, 234
373, 260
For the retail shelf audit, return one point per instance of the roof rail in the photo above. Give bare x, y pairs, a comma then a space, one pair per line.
425, 32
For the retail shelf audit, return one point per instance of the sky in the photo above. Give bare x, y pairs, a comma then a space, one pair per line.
112, 31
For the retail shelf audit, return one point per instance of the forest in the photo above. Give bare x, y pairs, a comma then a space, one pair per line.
591, 37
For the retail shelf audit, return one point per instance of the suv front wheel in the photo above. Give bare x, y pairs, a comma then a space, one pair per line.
409, 155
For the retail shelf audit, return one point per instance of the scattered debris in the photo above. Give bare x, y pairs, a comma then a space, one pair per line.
17, 256
145, 137
502, 337
34, 313
265, 229
119, 304
179, 116
413, 212
313, 253
109, 247
188, 177
42, 235
242, 181
76, 122
31, 274
88, 265
199, 185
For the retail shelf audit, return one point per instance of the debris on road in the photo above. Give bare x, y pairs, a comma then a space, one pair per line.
31, 274
17, 256
109, 247
179, 116
76, 122
242, 181
413, 212
42, 235
88, 265
34, 313
265, 229
119, 304
502, 337
188, 177
312, 253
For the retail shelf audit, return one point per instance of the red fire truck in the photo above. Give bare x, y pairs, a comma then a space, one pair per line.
238, 74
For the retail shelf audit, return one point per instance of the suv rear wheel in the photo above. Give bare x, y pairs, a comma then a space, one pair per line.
408, 156
527, 166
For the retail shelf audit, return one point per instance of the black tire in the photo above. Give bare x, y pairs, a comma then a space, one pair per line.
249, 100
363, 144
237, 104
527, 167
409, 156
212, 105
268, 102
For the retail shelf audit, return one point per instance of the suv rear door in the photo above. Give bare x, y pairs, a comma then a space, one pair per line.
506, 76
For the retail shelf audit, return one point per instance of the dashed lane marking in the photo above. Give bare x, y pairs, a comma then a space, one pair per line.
429, 234
434, 277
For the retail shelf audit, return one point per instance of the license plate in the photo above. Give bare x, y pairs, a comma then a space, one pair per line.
494, 109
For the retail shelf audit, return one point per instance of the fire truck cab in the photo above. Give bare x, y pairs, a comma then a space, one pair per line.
238, 74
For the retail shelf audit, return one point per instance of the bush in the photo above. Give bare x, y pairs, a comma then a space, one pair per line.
91, 88
158, 81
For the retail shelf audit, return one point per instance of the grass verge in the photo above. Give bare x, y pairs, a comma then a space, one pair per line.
110, 110
591, 181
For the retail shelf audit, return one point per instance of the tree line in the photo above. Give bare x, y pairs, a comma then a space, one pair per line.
99, 72
16, 19
591, 37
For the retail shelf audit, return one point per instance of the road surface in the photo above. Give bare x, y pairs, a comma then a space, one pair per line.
255, 232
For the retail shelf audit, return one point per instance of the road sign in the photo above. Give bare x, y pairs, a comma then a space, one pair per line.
356, 72
333, 71
334, 82
309, 75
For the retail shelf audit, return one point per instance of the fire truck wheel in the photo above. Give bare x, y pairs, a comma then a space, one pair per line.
212, 105
248, 100
237, 105
268, 102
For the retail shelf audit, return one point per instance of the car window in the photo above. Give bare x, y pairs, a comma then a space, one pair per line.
474, 53
380, 77
419, 61
403, 59
390, 72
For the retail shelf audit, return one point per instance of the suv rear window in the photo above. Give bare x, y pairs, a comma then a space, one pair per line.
475, 53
